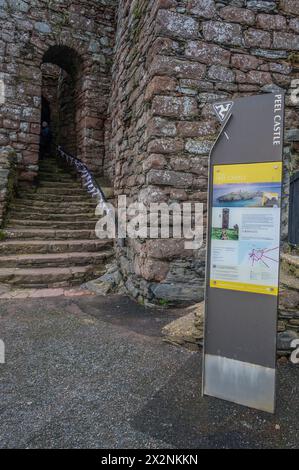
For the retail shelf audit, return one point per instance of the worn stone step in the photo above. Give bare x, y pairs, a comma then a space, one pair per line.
54, 190
9, 247
61, 207
42, 277
70, 181
45, 234
55, 170
290, 264
44, 175
54, 259
53, 224
70, 196
45, 215
58, 185
50, 232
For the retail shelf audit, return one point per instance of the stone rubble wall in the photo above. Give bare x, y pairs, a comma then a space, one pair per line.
8, 180
28, 30
173, 59
143, 95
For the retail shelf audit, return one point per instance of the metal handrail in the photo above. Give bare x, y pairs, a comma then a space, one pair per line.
88, 180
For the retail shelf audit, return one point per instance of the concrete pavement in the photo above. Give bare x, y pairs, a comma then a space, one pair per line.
93, 372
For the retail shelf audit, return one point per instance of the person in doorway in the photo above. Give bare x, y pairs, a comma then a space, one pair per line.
45, 140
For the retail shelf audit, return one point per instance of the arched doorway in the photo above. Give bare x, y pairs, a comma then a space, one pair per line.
62, 101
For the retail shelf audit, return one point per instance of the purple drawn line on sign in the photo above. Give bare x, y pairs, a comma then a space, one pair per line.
260, 255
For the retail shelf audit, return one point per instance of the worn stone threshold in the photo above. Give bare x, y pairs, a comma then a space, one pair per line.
44, 293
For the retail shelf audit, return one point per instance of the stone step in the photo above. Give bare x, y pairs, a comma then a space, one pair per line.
49, 277
45, 215
55, 191
46, 234
51, 224
64, 260
44, 175
57, 179
61, 207
290, 264
50, 232
9, 247
45, 171
58, 185
73, 196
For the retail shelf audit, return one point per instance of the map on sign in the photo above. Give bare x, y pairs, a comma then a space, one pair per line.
262, 256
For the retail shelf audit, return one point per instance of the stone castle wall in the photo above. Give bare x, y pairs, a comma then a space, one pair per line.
145, 111
173, 60
75, 35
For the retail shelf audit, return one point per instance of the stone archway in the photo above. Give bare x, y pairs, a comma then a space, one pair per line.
62, 78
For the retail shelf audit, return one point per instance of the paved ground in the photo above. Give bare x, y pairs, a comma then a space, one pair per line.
93, 372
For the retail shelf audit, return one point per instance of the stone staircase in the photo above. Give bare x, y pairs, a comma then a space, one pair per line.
49, 237
288, 320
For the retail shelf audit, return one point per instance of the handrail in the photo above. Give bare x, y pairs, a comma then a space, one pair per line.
88, 180
91, 186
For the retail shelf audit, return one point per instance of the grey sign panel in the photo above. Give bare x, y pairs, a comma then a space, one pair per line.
241, 324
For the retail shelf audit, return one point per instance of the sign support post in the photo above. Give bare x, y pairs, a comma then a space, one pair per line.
243, 248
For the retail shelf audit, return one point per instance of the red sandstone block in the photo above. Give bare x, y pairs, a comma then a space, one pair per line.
224, 33
174, 106
257, 38
238, 15
261, 78
154, 161
294, 24
4, 140
281, 80
160, 84
286, 41
30, 158
281, 67
202, 8
176, 24
196, 129
165, 65
277, 22
290, 6
93, 122
166, 3
207, 53
158, 126
165, 145
245, 62
154, 270
165, 46
241, 77
35, 128
10, 124
170, 178
165, 249
220, 73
